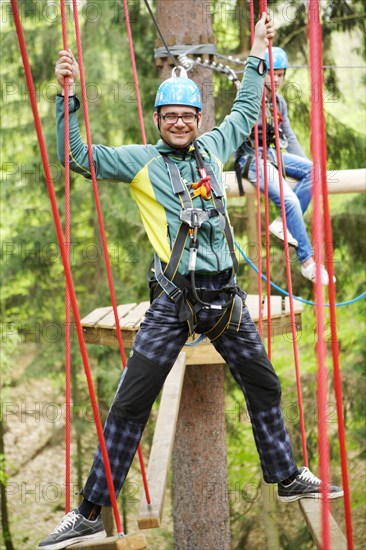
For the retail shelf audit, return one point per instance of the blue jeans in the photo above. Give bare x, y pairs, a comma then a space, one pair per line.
296, 200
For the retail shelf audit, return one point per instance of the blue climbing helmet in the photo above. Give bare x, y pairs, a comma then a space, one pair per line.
279, 58
179, 90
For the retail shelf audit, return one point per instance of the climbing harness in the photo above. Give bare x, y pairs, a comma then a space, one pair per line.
182, 290
248, 148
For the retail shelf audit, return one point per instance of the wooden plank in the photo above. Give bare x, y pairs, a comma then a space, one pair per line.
203, 354
103, 333
298, 306
129, 542
108, 320
133, 320
276, 307
312, 512
282, 325
108, 337
162, 446
339, 181
252, 302
94, 316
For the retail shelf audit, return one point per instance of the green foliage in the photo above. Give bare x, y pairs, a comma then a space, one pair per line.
33, 285
10, 343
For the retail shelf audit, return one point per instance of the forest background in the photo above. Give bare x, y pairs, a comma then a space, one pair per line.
33, 288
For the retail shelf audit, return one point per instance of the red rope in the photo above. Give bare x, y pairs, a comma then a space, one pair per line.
66, 266
258, 197
317, 151
319, 146
263, 8
100, 216
266, 229
288, 265
134, 70
67, 294
143, 136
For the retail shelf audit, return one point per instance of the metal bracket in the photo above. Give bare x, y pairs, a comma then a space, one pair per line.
194, 217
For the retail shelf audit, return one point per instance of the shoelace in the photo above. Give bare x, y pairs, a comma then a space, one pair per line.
67, 521
307, 475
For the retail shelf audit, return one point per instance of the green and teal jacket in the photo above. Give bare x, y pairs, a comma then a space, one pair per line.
144, 168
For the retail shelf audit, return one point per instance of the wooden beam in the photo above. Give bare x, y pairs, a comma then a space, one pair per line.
339, 181
312, 511
107, 337
129, 542
98, 326
162, 446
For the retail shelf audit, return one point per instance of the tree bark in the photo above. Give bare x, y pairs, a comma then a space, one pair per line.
244, 27
201, 507
253, 246
194, 26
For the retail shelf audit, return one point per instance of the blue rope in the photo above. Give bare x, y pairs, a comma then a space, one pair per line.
285, 293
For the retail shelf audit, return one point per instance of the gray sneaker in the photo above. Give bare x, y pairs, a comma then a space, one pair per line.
73, 528
306, 485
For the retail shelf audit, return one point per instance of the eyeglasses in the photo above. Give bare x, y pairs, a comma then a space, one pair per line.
172, 118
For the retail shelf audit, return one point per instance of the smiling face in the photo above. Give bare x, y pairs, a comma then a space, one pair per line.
181, 132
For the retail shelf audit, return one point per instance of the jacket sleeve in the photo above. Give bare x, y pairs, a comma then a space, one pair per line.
294, 146
224, 140
111, 163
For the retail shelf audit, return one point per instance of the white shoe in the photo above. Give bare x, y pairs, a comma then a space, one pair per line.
276, 228
309, 272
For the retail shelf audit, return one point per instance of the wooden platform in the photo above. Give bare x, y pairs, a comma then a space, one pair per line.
129, 542
312, 512
99, 326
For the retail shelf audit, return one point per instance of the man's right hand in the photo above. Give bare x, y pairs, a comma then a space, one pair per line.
67, 66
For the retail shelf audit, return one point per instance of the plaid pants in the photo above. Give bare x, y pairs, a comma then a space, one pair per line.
157, 345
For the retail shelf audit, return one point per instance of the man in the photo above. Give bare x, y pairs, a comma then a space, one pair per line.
295, 165
177, 187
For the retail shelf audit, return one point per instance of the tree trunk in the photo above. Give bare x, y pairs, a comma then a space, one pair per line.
244, 27
192, 27
253, 246
5, 526
201, 508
